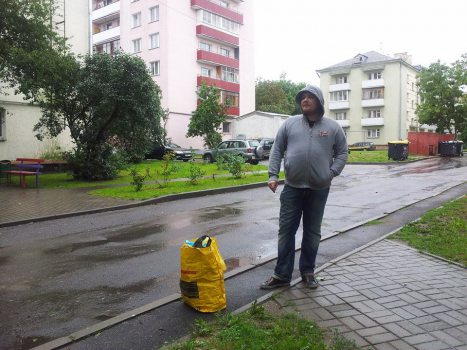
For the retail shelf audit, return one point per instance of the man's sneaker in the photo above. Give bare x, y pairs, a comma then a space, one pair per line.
310, 281
273, 283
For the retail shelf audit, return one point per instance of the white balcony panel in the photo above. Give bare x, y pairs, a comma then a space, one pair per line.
372, 83
428, 127
372, 121
343, 123
339, 87
106, 11
377, 102
106, 35
338, 105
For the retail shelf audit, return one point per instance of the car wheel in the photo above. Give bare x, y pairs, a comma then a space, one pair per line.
207, 158
254, 161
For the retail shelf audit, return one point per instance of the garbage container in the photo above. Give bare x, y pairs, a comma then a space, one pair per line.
450, 148
4, 165
398, 150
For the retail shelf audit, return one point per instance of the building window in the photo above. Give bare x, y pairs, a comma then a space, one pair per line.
154, 67
371, 94
220, 22
136, 20
374, 75
2, 124
136, 45
154, 14
224, 52
229, 99
205, 46
226, 127
374, 113
223, 3
205, 72
341, 116
341, 79
372, 133
154, 41
340, 95
229, 74
110, 47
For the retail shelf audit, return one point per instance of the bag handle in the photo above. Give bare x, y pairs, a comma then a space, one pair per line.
199, 242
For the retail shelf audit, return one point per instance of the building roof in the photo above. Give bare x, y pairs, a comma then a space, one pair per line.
367, 58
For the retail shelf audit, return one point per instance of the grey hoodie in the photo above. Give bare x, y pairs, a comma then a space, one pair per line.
312, 155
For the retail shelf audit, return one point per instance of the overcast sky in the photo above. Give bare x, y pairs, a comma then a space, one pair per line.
298, 37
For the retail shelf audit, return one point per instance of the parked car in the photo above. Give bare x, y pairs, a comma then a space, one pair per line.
246, 148
264, 148
180, 153
362, 146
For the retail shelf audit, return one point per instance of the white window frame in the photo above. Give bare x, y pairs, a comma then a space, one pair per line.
224, 52
229, 74
136, 20
373, 94
137, 45
374, 113
341, 79
373, 133
154, 41
226, 127
374, 75
155, 68
206, 72
154, 14
2, 124
342, 95
220, 22
203, 46
341, 116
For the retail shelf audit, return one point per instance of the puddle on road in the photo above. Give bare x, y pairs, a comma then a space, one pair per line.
214, 213
439, 164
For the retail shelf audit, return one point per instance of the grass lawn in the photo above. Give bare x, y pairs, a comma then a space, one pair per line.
441, 231
258, 329
378, 156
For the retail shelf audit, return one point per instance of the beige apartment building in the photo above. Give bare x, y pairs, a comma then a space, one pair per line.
373, 97
17, 116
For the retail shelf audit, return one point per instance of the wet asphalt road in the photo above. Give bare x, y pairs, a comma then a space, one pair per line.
63, 275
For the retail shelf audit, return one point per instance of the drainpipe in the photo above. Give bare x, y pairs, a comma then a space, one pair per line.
90, 27
399, 123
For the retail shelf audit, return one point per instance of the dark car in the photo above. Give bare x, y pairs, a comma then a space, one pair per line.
179, 152
264, 148
362, 146
246, 148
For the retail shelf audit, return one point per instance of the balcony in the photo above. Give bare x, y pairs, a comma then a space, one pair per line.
214, 58
106, 11
221, 84
339, 87
218, 10
106, 35
372, 121
376, 102
233, 111
343, 123
216, 35
372, 83
333, 105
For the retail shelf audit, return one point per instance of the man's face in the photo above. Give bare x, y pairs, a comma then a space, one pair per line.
309, 104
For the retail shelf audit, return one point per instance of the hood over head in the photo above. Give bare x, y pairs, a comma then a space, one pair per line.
314, 90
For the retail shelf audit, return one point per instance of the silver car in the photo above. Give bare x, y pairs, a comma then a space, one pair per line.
246, 148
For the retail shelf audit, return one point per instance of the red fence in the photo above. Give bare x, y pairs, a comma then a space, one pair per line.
426, 143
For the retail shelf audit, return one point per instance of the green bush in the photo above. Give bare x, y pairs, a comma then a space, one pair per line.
138, 179
196, 173
233, 163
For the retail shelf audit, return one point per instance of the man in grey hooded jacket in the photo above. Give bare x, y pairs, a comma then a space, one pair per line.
314, 149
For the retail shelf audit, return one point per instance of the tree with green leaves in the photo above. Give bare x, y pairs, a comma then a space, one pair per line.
111, 106
277, 96
443, 103
31, 51
208, 116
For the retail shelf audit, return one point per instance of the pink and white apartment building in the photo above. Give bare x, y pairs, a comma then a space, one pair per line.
185, 43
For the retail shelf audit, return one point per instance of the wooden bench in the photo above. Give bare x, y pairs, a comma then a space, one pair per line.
25, 167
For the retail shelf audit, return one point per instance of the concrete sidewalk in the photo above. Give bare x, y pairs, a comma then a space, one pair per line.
386, 296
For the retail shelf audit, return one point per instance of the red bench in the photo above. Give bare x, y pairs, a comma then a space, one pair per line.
25, 167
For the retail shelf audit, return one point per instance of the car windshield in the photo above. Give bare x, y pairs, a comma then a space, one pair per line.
254, 143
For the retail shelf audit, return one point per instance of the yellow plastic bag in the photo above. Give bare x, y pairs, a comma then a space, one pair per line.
202, 275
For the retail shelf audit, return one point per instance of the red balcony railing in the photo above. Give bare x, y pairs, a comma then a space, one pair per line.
215, 58
218, 10
232, 111
217, 35
221, 84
